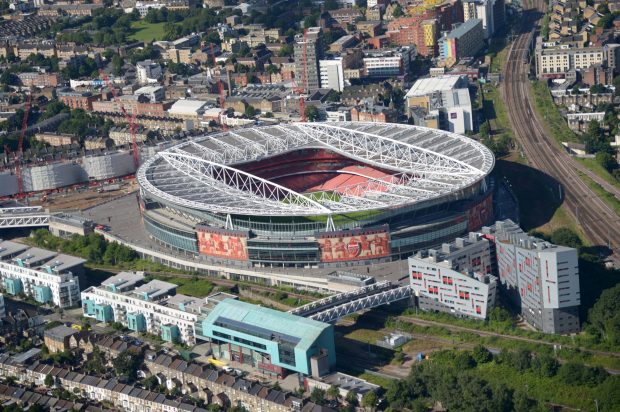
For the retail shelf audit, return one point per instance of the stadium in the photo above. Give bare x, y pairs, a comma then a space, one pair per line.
316, 194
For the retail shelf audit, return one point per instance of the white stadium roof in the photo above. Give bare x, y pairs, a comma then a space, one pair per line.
425, 164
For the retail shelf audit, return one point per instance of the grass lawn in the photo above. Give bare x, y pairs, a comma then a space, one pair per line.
607, 197
199, 288
547, 109
596, 167
145, 31
495, 111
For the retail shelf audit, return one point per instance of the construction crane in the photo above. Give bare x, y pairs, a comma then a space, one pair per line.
20, 146
220, 87
131, 120
301, 89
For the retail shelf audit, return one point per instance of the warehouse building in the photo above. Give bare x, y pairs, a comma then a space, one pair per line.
274, 342
45, 276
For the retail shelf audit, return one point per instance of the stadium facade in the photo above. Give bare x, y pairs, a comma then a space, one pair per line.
316, 194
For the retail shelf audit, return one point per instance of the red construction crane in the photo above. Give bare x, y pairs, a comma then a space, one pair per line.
131, 120
20, 146
301, 89
222, 95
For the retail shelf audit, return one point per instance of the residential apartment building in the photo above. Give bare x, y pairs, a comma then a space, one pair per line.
45, 276
466, 40
78, 100
456, 279
148, 71
122, 135
422, 31
35, 79
56, 139
540, 278
555, 60
132, 104
332, 74
308, 50
152, 307
387, 62
483, 10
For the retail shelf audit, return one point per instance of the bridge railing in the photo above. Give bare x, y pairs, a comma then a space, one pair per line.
335, 300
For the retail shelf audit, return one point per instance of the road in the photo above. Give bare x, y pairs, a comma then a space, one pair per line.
600, 223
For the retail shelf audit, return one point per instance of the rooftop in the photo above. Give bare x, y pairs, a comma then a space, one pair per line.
155, 289
123, 280
60, 332
261, 318
464, 28
429, 85
187, 106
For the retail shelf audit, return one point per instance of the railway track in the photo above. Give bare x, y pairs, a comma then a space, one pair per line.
600, 223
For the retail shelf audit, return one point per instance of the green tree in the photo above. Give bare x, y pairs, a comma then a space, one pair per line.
481, 354
597, 88
250, 111
545, 365
398, 11
604, 315
312, 113
126, 364
607, 160
333, 392
370, 400
117, 65
49, 381
317, 396
351, 398
565, 237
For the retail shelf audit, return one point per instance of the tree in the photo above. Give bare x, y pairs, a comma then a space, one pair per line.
607, 160
49, 381
397, 11
565, 237
333, 392
481, 354
604, 315
312, 113
250, 111
597, 88
117, 65
545, 365
351, 398
126, 364
370, 400
317, 396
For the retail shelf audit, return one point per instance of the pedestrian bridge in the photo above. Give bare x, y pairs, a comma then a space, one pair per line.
334, 307
23, 216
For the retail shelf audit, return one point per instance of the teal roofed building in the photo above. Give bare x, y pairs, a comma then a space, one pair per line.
104, 313
170, 333
270, 340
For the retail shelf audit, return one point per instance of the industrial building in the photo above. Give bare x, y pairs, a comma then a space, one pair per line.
45, 276
272, 341
456, 279
152, 307
109, 165
540, 278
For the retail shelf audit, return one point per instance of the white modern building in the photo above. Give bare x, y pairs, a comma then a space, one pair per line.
540, 278
445, 99
154, 93
152, 307
387, 62
332, 74
456, 279
45, 276
148, 71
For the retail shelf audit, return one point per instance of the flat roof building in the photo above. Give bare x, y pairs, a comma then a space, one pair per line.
269, 339
540, 278
46, 276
